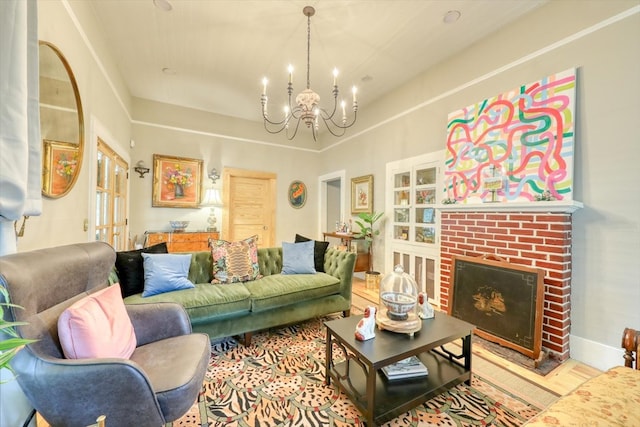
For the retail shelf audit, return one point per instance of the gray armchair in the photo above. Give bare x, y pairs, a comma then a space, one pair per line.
157, 385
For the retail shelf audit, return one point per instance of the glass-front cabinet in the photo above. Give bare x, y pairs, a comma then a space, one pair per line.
414, 200
412, 197
401, 209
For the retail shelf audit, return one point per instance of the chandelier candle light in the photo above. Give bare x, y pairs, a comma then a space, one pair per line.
306, 108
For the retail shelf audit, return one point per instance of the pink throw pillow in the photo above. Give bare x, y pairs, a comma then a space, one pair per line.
97, 326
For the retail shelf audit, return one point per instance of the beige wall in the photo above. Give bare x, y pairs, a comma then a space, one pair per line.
605, 49
407, 122
170, 130
105, 104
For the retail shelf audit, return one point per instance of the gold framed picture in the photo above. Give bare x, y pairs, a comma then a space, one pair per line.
362, 194
60, 166
177, 182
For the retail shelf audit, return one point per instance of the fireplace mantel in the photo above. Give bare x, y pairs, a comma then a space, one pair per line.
560, 206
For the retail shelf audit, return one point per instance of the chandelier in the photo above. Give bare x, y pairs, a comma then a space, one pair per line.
307, 104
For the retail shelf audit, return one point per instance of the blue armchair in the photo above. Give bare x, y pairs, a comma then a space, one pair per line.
157, 385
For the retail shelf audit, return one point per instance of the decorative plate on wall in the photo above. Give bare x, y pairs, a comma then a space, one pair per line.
297, 194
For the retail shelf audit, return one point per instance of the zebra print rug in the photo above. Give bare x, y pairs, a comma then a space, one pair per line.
279, 381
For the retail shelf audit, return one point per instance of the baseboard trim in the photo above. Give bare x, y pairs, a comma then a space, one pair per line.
595, 354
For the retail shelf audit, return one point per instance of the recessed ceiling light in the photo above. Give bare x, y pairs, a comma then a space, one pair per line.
163, 5
451, 16
169, 71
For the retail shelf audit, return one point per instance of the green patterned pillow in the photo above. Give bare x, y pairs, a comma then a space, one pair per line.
235, 261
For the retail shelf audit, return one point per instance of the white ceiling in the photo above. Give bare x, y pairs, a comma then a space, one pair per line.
221, 49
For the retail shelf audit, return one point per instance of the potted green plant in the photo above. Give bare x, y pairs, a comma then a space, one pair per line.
367, 223
10, 346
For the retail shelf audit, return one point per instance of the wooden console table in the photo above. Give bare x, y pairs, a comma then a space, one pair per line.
346, 239
184, 241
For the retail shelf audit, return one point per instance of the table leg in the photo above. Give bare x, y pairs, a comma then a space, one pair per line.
328, 358
371, 396
466, 350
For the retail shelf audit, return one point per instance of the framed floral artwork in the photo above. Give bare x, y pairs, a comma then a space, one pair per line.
61, 166
297, 194
177, 182
362, 194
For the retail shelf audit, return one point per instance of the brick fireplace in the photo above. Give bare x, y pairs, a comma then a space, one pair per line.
537, 237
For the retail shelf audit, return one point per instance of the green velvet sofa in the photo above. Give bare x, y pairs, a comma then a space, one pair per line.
223, 310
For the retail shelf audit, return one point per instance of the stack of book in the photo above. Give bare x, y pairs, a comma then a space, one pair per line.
411, 367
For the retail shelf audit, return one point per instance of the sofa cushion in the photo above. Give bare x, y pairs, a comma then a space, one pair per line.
319, 249
235, 261
278, 290
204, 300
165, 273
130, 269
97, 326
297, 258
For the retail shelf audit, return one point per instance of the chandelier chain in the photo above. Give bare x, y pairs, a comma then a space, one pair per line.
308, 52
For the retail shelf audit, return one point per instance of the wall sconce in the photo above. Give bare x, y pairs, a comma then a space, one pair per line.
141, 169
213, 175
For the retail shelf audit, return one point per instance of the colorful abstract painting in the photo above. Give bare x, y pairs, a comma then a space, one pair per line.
515, 147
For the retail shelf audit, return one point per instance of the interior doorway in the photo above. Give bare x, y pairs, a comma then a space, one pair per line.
332, 201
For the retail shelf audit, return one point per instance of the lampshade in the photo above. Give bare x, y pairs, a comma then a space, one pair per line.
212, 197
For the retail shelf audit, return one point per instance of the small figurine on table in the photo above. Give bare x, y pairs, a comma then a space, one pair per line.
365, 330
425, 310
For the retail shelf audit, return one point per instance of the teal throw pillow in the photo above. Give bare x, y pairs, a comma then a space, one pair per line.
165, 273
297, 258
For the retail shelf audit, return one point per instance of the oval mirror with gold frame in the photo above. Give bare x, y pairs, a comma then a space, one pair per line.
61, 123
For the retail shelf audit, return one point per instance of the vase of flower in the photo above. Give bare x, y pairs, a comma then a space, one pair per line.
179, 179
178, 190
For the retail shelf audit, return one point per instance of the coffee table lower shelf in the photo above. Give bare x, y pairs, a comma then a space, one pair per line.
394, 397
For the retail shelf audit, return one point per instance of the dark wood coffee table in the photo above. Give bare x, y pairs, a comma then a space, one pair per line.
379, 399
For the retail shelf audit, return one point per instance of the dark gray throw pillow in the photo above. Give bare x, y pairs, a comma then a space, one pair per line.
131, 268
319, 248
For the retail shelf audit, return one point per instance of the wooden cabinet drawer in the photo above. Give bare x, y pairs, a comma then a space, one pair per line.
183, 241
186, 237
155, 238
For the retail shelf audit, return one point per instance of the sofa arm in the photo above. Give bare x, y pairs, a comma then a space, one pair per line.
77, 391
341, 264
157, 321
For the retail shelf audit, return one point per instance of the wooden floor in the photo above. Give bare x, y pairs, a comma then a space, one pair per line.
566, 377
